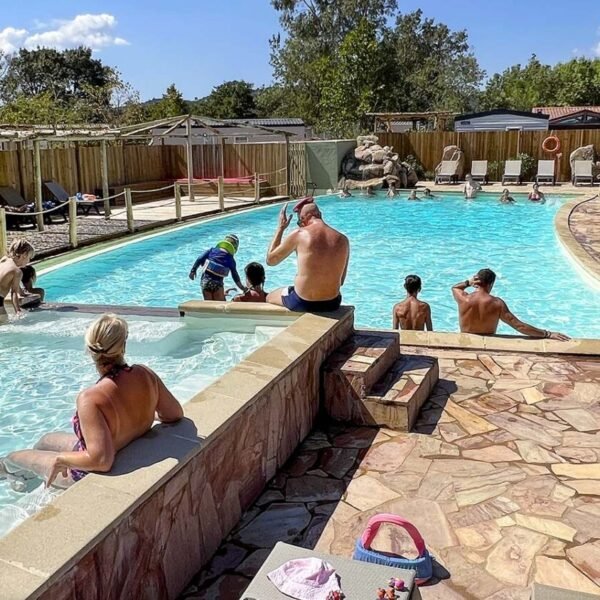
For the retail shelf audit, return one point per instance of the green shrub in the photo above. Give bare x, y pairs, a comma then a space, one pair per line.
416, 166
495, 170
528, 167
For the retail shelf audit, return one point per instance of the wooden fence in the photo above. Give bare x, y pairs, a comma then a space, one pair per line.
78, 167
427, 147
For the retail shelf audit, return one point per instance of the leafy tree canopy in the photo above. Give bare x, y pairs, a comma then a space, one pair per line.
230, 100
171, 104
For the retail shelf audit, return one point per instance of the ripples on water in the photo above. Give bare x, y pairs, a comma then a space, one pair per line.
443, 240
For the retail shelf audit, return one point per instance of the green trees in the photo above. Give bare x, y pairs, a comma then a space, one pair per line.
341, 58
47, 86
230, 100
573, 83
171, 104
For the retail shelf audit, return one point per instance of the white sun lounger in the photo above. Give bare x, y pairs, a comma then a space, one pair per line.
582, 172
545, 172
479, 170
512, 171
448, 172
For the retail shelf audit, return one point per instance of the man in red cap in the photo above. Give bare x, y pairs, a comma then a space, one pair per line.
322, 254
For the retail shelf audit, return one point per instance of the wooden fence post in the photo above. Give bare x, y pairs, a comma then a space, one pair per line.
221, 192
37, 177
256, 188
177, 202
105, 192
73, 222
3, 235
287, 166
129, 210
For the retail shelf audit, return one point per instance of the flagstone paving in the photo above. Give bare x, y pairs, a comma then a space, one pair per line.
500, 475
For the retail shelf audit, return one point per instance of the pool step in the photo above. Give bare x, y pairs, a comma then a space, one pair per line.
368, 382
396, 399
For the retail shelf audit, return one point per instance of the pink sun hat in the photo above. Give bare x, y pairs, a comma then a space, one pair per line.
303, 202
305, 579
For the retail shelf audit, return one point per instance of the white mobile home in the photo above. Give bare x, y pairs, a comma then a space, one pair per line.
501, 120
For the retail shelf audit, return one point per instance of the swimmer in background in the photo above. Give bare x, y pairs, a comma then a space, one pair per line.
427, 193
471, 188
392, 190
345, 193
370, 191
536, 195
412, 313
413, 195
506, 198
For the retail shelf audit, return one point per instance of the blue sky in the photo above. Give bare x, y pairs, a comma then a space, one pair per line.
199, 44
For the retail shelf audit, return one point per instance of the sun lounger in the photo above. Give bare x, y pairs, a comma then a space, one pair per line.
448, 172
479, 170
14, 204
545, 172
547, 592
359, 580
512, 171
582, 172
60, 195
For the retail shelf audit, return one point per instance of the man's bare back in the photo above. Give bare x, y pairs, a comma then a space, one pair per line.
413, 314
322, 255
480, 312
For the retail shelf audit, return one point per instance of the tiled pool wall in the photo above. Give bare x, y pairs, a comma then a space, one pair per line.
146, 528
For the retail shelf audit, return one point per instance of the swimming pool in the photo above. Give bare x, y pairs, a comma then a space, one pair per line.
45, 367
444, 240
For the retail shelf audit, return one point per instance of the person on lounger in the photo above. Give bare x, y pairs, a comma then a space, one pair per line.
480, 312
471, 188
412, 313
322, 255
20, 252
119, 408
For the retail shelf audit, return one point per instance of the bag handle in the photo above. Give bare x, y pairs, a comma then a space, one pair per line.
375, 522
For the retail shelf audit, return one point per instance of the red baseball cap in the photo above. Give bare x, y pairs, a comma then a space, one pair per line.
303, 202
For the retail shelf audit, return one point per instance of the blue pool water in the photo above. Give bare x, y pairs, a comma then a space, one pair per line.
47, 367
443, 240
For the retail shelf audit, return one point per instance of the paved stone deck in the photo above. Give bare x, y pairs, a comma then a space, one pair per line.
501, 474
584, 223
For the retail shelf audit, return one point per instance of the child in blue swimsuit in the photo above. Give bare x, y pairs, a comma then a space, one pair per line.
216, 264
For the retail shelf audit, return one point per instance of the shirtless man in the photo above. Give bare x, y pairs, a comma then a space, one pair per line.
322, 254
20, 252
412, 313
471, 188
480, 312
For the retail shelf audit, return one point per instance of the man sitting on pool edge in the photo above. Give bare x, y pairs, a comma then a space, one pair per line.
480, 312
322, 254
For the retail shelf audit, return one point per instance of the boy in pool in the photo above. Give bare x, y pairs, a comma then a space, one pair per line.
255, 280
20, 252
216, 264
412, 313
506, 198
413, 195
427, 193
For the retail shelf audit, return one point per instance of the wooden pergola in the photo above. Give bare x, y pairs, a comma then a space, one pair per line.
170, 127
383, 121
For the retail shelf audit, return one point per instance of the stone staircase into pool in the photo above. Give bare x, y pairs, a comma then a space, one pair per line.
368, 381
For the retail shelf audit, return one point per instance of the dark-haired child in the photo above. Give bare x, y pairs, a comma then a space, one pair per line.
255, 280
412, 313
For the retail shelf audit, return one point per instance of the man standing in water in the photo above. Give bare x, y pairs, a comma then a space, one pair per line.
322, 254
480, 312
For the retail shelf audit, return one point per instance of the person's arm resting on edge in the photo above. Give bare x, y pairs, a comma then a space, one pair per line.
525, 328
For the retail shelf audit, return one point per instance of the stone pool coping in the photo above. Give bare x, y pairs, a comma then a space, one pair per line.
101, 524
565, 235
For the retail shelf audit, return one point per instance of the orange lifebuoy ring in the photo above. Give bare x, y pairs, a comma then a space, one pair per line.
555, 149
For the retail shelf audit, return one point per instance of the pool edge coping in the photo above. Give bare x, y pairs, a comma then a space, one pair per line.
568, 241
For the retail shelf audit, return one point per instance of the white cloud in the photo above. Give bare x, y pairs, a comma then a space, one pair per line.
11, 39
95, 31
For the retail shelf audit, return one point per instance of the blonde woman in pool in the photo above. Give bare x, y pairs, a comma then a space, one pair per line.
119, 408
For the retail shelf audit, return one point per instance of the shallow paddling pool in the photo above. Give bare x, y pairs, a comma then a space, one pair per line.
46, 367
444, 240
